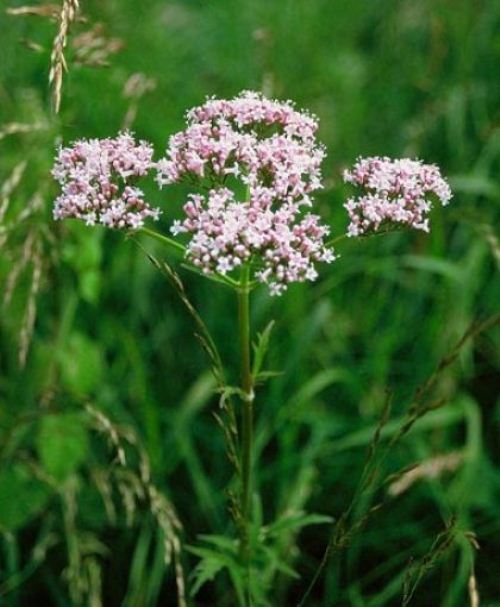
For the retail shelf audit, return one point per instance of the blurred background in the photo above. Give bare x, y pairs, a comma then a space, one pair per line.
108, 444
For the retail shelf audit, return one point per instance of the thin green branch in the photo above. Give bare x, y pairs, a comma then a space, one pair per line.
342, 237
177, 246
335, 240
246, 422
169, 242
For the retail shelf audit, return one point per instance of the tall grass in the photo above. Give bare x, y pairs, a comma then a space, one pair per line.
85, 529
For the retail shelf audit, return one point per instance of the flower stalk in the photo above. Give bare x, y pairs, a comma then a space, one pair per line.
247, 393
165, 240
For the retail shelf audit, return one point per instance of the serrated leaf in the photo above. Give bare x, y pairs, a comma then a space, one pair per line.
204, 572
62, 444
221, 541
213, 561
206, 553
260, 349
278, 563
265, 375
296, 521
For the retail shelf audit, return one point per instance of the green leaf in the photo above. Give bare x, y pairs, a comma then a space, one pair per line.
62, 443
445, 416
212, 562
205, 571
479, 185
81, 364
275, 560
90, 285
84, 250
220, 541
260, 349
22, 496
441, 267
295, 521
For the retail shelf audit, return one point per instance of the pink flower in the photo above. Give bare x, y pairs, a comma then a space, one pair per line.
270, 149
97, 178
396, 192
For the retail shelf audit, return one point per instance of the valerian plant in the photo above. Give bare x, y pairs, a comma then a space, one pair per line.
254, 165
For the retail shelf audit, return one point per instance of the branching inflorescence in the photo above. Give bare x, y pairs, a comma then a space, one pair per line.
97, 178
254, 165
397, 192
270, 148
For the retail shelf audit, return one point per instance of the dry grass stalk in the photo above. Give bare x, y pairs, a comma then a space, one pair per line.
9, 186
472, 585
13, 128
17, 268
135, 487
344, 529
100, 479
103, 425
31, 45
93, 48
28, 324
58, 64
429, 469
419, 568
134, 89
473, 592
492, 240
34, 205
45, 10
83, 571
31, 254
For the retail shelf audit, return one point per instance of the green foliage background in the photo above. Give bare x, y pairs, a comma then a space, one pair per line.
387, 77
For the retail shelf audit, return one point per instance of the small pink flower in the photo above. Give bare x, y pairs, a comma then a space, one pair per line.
271, 149
396, 192
97, 178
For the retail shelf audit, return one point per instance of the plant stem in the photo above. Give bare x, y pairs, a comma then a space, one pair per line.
337, 239
246, 421
177, 246
163, 239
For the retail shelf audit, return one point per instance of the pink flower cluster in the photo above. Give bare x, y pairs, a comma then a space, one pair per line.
270, 148
97, 178
227, 233
397, 192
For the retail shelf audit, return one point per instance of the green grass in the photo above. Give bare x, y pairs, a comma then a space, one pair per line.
392, 77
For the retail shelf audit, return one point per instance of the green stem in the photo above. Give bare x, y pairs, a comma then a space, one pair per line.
177, 246
163, 239
246, 421
337, 239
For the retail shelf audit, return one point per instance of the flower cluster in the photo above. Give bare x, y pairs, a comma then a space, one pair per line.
270, 148
397, 192
227, 233
97, 178
257, 162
